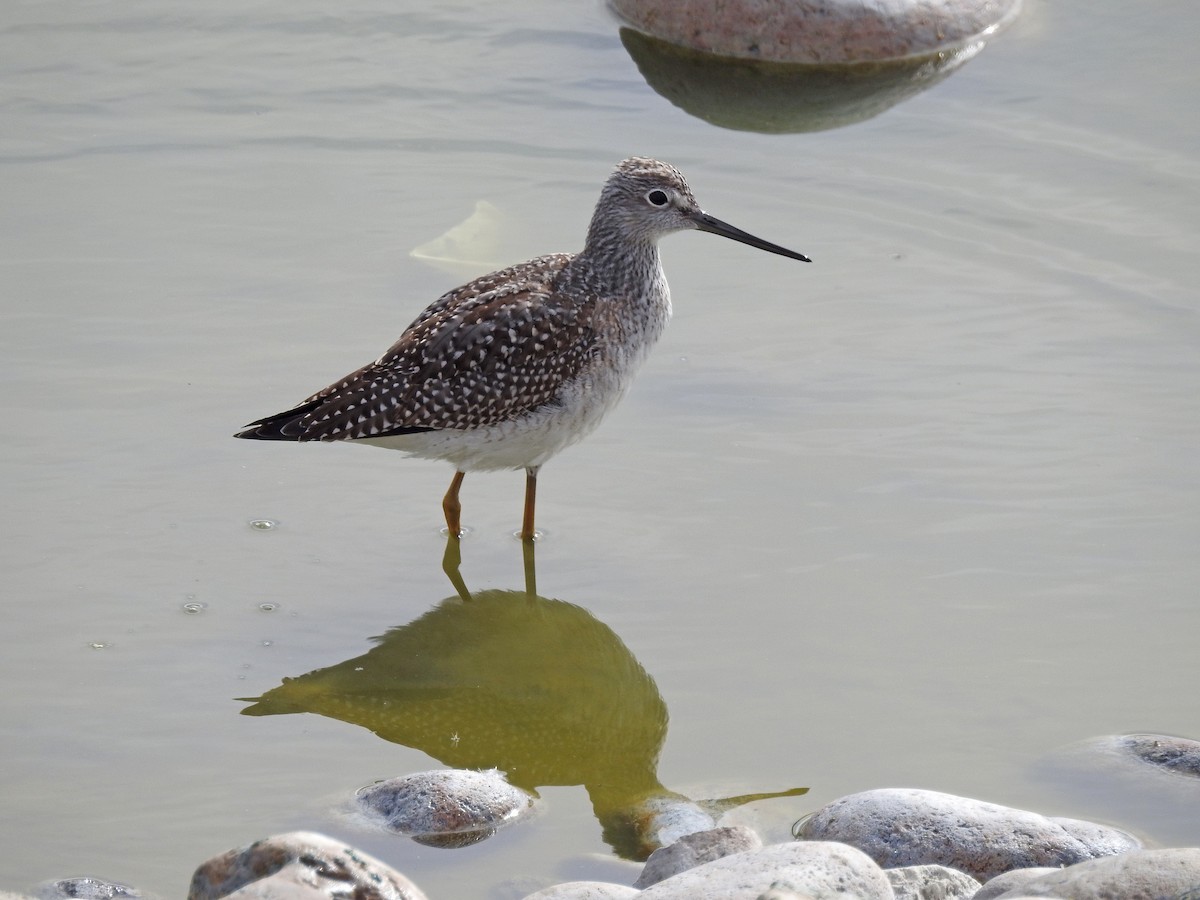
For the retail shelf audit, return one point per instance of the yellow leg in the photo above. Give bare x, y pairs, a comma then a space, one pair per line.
452, 508
527, 531
451, 562
530, 568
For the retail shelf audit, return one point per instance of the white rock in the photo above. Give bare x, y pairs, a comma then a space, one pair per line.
817, 31
85, 887
585, 890
445, 803
908, 827
931, 883
1010, 881
780, 891
663, 820
1103, 840
808, 867
696, 849
1137, 875
300, 865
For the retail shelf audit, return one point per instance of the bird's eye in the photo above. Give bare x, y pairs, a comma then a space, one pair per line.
658, 198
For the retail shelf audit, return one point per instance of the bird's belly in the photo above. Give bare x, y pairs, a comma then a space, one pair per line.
526, 441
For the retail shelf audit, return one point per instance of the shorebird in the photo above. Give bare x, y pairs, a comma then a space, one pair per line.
506, 371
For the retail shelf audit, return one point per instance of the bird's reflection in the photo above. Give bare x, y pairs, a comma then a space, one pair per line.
536, 687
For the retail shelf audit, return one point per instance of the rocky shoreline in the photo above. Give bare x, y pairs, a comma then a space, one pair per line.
882, 844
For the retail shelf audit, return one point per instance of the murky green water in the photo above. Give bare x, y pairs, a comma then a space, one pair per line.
914, 515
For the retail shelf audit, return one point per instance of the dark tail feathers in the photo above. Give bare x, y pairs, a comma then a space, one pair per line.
284, 426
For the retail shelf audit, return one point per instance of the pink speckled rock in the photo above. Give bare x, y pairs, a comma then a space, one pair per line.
817, 31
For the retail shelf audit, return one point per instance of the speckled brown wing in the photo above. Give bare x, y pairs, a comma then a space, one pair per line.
480, 355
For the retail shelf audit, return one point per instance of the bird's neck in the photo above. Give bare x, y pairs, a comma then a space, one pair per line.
614, 264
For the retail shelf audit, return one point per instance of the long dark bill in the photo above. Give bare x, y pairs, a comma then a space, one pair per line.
713, 225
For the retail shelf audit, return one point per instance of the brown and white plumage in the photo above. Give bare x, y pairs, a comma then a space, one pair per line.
506, 371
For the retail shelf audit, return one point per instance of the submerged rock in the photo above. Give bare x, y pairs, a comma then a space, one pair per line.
906, 827
446, 807
1148, 782
85, 887
1175, 755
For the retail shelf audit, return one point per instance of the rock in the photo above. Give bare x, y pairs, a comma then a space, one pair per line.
1178, 756
301, 865
907, 827
1145, 781
781, 98
1011, 881
818, 31
812, 867
663, 819
1136, 875
585, 890
696, 849
1103, 840
931, 883
445, 807
87, 888
780, 891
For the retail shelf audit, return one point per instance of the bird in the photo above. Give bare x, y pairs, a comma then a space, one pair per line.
513, 367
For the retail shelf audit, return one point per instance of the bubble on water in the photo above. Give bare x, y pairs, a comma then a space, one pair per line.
194, 607
263, 524
268, 607
100, 645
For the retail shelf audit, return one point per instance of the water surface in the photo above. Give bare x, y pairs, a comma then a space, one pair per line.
917, 514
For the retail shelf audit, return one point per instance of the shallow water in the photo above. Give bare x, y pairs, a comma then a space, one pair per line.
918, 514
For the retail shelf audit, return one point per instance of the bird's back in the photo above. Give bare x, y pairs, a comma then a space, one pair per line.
480, 355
